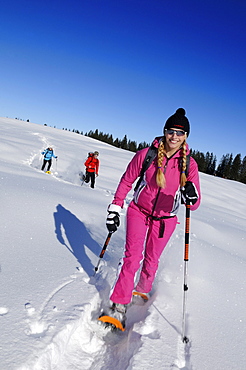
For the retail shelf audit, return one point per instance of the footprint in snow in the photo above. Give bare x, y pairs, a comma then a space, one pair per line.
29, 308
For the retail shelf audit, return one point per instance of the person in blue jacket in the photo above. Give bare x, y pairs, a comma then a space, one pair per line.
48, 154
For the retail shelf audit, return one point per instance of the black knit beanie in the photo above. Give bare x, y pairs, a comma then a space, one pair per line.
178, 120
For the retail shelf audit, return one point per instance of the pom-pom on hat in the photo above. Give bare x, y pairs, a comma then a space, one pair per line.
179, 121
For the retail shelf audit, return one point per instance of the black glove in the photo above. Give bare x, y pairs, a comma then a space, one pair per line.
113, 219
189, 192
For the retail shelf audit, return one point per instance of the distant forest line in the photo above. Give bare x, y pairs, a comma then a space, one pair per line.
229, 167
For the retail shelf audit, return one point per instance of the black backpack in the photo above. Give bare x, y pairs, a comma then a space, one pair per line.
150, 156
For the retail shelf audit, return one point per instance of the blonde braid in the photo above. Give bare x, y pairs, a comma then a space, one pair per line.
160, 178
183, 178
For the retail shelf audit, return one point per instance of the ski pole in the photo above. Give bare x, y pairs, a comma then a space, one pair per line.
103, 250
186, 259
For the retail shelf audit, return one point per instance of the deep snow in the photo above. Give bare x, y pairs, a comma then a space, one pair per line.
52, 231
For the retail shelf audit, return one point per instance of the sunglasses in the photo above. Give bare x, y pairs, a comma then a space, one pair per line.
178, 133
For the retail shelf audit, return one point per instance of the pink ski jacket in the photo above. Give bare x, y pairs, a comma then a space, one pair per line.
150, 198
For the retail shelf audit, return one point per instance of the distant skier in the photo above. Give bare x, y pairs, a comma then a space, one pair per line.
48, 154
92, 167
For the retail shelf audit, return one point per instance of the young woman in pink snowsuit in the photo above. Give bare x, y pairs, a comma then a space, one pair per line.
151, 216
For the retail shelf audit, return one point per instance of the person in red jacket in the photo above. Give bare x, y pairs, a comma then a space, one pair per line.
92, 167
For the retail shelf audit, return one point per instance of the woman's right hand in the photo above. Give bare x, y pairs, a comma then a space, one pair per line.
113, 219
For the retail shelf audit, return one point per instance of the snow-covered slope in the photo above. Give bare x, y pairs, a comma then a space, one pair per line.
52, 231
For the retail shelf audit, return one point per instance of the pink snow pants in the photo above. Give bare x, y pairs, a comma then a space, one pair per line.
142, 244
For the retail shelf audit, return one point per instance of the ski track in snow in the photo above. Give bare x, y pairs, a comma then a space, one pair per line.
84, 340
37, 324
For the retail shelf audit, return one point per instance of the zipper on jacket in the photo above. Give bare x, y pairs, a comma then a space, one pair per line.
153, 209
158, 194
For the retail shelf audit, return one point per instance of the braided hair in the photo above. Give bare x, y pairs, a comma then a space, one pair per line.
183, 178
160, 177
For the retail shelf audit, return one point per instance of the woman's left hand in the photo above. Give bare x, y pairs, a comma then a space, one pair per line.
189, 192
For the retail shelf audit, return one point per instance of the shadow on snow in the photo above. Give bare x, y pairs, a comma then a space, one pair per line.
77, 237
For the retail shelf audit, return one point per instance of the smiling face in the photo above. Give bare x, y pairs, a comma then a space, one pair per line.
174, 140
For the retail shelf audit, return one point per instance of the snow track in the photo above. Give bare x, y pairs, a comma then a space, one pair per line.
85, 344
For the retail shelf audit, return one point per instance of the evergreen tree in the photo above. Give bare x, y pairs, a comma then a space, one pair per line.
224, 167
213, 166
210, 163
242, 177
235, 168
116, 143
124, 143
228, 166
101, 136
200, 159
132, 146
96, 134
142, 146
110, 140
221, 167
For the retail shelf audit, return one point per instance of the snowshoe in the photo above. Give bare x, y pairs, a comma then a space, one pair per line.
81, 176
143, 296
116, 318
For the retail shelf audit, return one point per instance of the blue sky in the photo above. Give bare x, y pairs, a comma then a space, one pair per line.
123, 67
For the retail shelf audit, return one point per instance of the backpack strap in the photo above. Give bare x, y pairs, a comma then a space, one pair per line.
91, 156
187, 165
150, 156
